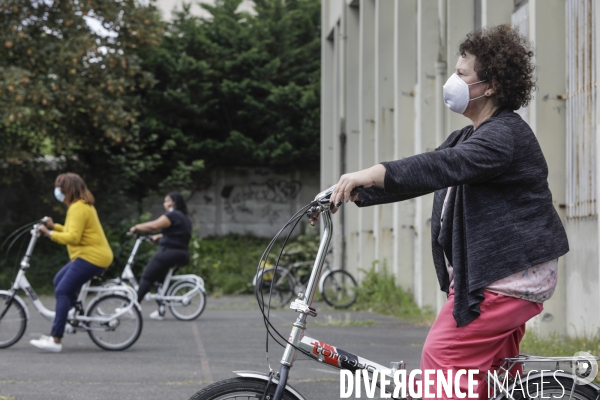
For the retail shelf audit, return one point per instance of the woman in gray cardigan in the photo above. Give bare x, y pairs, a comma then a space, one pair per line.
496, 236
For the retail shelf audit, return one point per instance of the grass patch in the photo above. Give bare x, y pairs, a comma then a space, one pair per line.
557, 345
378, 293
228, 263
346, 321
6, 398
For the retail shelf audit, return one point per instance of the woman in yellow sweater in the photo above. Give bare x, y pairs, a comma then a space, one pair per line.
88, 249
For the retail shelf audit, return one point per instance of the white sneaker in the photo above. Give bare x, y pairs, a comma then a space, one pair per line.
47, 343
156, 315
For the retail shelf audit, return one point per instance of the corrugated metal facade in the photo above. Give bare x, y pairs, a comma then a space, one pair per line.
581, 108
357, 79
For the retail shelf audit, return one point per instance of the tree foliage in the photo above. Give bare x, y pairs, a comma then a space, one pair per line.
138, 106
238, 88
70, 74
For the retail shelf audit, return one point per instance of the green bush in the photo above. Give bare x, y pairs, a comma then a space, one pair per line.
228, 264
378, 292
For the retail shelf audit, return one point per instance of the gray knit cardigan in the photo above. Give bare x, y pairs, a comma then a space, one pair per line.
499, 218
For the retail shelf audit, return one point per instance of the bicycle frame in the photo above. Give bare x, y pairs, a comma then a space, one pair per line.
22, 283
340, 359
128, 276
326, 353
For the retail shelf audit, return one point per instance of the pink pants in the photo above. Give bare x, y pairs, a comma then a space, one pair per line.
480, 345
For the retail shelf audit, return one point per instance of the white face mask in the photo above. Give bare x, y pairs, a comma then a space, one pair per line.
60, 196
456, 94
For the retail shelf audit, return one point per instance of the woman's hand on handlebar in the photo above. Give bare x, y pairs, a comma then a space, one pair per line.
367, 177
42, 229
133, 230
49, 223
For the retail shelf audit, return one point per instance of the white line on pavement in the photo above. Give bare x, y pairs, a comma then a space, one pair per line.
202, 353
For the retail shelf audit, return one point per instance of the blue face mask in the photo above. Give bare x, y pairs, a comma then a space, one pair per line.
59, 194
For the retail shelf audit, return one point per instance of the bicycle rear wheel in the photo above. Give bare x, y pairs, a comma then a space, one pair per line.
339, 289
190, 308
239, 389
13, 321
117, 333
553, 388
283, 287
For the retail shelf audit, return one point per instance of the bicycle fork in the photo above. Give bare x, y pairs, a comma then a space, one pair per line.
302, 305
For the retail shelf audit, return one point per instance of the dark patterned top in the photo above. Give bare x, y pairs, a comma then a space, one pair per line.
499, 219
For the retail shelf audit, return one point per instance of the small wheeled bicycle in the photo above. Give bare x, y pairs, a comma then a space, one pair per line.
112, 320
573, 383
183, 294
337, 287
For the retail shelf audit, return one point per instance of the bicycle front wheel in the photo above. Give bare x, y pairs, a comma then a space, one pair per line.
191, 303
239, 389
339, 289
13, 321
114, 333
554, 388
279, 284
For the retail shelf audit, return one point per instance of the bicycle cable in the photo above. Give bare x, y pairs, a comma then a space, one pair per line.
264, 257
271, 330
19, 231
15, 239
14, 270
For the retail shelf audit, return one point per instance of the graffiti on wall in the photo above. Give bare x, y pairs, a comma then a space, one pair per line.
237, 197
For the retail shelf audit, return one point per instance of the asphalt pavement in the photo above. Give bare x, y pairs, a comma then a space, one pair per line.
174, 359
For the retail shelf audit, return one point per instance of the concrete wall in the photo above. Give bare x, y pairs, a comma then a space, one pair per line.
384, 63
254, 201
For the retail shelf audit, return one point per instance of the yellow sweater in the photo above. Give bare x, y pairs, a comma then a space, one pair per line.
83, 235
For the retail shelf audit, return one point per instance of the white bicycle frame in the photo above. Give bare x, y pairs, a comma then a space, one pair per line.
161, 294
22, 283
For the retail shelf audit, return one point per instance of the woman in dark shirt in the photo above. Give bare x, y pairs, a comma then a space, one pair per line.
173, 250
495, 233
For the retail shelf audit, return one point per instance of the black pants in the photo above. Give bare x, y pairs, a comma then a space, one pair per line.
158, 267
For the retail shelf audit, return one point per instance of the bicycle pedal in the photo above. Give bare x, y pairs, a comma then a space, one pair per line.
70, 329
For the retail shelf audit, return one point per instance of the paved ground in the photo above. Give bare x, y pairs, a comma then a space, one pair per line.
174, 359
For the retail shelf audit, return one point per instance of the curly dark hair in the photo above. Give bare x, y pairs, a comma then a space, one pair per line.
504, 58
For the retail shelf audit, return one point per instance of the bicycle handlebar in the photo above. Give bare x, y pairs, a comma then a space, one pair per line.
322, 203
147, 238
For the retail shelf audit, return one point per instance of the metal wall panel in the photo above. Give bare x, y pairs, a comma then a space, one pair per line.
581, 105
520, 21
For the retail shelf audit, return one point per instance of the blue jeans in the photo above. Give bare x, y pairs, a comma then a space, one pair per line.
67, 283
